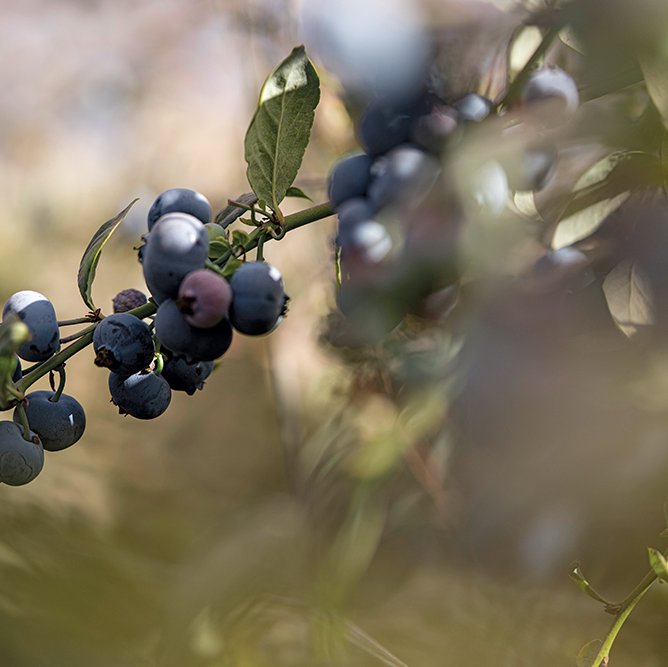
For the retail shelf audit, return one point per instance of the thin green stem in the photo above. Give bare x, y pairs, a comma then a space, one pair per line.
622, 611
627, 607
79, 334
290, 223
62, 378
79, 320
23, 420
260, 248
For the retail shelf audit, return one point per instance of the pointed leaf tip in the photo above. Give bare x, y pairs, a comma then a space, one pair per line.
91, 256
281, 127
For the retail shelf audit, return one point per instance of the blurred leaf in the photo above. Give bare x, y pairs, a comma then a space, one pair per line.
582, 224
230, 213
629, 297
600, 170
91, 255
664, 161
297, 192
13, 333
658, 563
525, 202
588, 653
522, 48
569, 38
280, 129
232, 264
357, 637
655, 71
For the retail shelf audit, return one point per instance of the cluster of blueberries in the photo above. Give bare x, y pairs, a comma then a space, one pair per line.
197, 311
403, 142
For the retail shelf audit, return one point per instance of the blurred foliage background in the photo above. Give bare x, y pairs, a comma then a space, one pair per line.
294, 513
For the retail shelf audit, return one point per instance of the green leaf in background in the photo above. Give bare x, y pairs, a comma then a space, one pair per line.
297, 192
232, 264
588, 653
280, 129
655, 71
658, 563
584, 223
629, 298
91, 255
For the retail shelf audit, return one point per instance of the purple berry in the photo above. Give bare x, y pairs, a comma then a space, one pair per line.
204, 298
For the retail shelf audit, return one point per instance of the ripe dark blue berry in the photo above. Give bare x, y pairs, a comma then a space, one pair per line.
184, 376
177, 245
195, 344
18, 371
352, 213
180, 200
143, 395
123, 344
350, 177
20, 460
388, 123
405, 175
38, 314
258, 298
59, 424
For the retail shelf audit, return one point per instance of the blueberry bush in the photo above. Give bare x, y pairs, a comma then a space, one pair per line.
520, 197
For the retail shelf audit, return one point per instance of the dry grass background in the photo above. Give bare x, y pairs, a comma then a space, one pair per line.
198, 539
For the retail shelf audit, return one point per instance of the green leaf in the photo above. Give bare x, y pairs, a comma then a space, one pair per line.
658, 563
655, 71
581, 582
239, 237
280, 129
218, 248
584, 223
232, 264
629, 298
91, 255
664, 161
588, 653
13, 333
297, 192
231, 212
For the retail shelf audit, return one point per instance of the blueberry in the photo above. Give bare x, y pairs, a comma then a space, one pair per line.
191, 342
433, 130
387, 123
258, 298
204, 298
473, 108
404, 176
123, 344
552, 83
350, 177
38, 314
143, 395
177, 245
59, 424
20, 460
350, 214
180, 200
184, 376
128, 299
